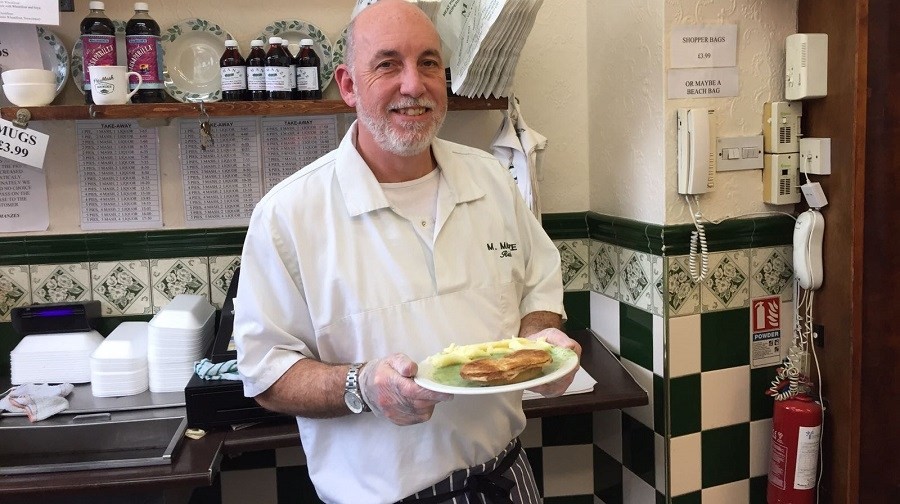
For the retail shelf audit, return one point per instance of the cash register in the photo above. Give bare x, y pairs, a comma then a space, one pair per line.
215, 403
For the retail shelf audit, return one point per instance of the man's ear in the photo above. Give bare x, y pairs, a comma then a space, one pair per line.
345, 84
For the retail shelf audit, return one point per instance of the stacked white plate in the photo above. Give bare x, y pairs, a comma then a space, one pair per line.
487, 45
177, 336
119, 364
54, 358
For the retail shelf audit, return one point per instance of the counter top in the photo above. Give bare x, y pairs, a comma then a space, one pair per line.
197, 461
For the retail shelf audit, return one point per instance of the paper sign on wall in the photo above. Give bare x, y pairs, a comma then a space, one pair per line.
702, 82
23, 198
44, 12
703, 46
22, 144
19, 47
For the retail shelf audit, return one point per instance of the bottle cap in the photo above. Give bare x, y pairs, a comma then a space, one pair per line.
141, 6
256, 43
274, 40
96, 6
231, 43
306, 42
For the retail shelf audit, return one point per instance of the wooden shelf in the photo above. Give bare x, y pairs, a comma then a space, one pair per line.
220, 109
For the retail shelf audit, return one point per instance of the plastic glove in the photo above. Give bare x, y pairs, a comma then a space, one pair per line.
37, 401
557, 338
389, 390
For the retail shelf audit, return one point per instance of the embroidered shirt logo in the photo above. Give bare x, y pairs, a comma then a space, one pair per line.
506, 249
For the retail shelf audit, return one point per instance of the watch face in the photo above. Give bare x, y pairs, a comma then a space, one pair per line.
354, 402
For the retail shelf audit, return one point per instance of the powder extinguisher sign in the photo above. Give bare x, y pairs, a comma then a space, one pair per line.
765, 331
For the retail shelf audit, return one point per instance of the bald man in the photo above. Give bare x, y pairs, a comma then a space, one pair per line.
378, 255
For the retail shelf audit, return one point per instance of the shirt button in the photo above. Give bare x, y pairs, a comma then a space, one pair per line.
424, 223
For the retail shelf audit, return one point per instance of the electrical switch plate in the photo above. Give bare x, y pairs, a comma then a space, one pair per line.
815, 156
739, 153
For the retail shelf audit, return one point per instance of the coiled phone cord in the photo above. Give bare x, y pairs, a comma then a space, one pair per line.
697, 236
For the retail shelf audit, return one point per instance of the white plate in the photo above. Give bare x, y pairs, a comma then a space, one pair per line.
191, 52
564, 361
340, 48
53, 57
294, 30
78, 55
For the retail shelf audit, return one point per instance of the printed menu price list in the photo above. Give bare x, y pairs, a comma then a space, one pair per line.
294, 142
222, 182
118, 175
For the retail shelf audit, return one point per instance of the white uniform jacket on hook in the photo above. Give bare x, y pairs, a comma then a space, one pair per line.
516, 146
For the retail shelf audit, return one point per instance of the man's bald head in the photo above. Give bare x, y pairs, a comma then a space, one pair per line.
398, 12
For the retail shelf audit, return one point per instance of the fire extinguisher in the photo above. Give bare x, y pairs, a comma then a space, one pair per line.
796, 429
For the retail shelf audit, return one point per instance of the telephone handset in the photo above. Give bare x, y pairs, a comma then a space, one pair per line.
696, 158
808, 234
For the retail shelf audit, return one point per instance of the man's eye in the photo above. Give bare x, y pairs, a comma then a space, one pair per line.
430, 63
385, 64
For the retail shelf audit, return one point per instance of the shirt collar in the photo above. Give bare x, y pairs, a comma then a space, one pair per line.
363, 194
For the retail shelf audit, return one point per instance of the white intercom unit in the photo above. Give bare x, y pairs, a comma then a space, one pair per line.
781, 126
781, 179
806, 66
696, 150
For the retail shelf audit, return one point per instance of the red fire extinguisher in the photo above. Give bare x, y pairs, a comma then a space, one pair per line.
796, 429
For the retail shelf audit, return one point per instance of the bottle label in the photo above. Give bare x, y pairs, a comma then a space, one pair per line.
145, 58
234, 78
307, 79
278, 78
292, 75
98, 50
256, 78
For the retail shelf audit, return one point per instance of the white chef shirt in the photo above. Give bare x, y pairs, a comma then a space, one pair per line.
329, 271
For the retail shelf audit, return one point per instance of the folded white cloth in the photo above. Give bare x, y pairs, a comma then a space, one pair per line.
37, 400
209, 370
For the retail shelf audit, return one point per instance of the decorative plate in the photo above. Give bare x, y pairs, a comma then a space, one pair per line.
294, 30
191, 52
78, 55
447, 379
53, 56
340, 48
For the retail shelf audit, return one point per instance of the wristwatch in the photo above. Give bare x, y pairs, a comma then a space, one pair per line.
352, 396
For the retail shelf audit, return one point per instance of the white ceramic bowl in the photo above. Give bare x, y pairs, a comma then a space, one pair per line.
30, 95
28, 76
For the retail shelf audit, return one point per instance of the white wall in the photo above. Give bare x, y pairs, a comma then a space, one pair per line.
550, 83
632, 124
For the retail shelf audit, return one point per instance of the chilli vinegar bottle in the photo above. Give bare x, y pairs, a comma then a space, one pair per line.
308, 85
256, 72
278, 69
98, 44
233, 70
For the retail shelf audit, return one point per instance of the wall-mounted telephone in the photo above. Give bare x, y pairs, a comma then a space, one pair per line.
808, 234
696, 146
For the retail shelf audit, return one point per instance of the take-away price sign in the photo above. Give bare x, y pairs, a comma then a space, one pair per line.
22, 144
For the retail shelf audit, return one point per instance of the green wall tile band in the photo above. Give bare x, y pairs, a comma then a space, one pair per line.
13, 252
672, 240
631, 234
564, 226
725, 454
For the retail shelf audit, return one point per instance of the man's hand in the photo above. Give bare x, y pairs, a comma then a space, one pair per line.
557, 338
389, 390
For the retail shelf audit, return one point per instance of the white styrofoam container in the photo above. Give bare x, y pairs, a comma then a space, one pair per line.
128, 341
186, 311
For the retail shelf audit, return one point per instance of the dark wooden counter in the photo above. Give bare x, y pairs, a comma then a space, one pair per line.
196, 464
197, 461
